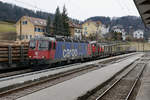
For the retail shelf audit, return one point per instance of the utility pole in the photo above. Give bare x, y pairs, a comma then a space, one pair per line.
138, 45
20, 28
143, 44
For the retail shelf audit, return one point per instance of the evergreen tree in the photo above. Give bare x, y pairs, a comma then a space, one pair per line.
57, 24
65, 22
48, 27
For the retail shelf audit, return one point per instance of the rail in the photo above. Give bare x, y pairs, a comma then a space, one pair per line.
134, 84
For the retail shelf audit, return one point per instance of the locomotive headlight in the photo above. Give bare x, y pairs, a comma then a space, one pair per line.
43, 57
36, 53
29, 56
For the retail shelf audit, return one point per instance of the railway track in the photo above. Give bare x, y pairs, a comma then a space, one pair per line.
44, 82
122, 86
3, 75
27, 71
47, 81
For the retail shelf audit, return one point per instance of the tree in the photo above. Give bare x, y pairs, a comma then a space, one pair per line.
119, 36
129, 38
93, 37
48, 26
65, 22
57, 24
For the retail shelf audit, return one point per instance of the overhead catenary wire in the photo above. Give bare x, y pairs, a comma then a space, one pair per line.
128, 6
133, 7
31, 5
122, 6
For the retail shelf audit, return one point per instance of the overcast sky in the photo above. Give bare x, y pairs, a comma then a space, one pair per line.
82, 9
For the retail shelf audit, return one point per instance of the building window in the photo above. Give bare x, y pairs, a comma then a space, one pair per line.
39, 30
85, 28
30, 36
43, 30
85, 32
36, 29
22, 37
76, 30
26, 36
24, 22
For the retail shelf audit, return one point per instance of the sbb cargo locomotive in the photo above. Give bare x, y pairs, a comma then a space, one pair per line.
48, 50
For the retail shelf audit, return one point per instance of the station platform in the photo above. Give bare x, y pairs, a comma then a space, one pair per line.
144, 92
19, 79
73, 88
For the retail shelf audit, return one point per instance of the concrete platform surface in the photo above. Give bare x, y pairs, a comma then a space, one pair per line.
144, 92
4, 82
73, 88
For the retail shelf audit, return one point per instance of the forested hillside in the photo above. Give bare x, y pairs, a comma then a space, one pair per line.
13, 13
9, 12
103, 19
128, 22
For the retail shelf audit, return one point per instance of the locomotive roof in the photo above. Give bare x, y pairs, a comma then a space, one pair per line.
70, 40
58, 39
44, 38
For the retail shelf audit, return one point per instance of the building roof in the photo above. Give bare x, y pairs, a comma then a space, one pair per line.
36, 21
97, 23
43, 22
143, 7
71, 24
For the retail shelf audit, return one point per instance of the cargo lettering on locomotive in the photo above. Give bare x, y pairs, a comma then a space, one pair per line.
70, 53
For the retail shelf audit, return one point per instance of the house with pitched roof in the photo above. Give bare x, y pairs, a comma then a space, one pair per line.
91, 27
75, 30
28, 27
138, 34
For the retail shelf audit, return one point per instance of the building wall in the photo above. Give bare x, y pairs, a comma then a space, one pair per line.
123, 35
138, 34
104, 29
27, 29
72, 31
39, 30
90, 27
122, 32
78, 33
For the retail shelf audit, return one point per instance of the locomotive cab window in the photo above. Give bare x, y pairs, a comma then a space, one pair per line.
54, 45
43, 45
32, 44
50, 45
